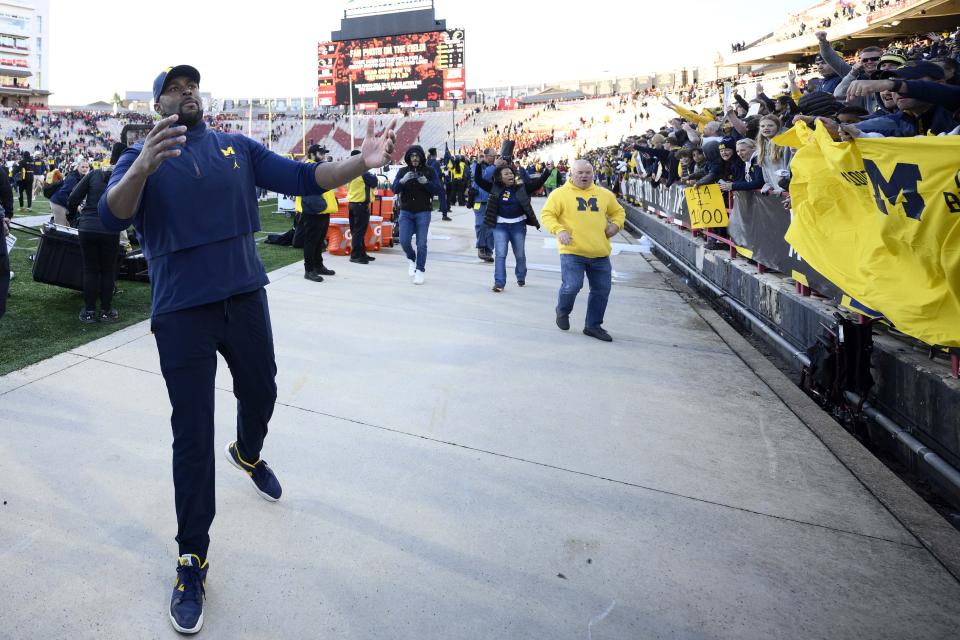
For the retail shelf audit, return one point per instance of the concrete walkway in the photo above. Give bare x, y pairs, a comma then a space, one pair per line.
456, 467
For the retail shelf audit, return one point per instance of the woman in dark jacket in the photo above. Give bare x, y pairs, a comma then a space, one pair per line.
58, 201
99, 247
509, 212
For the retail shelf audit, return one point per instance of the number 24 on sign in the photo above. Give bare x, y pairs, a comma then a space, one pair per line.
707, 206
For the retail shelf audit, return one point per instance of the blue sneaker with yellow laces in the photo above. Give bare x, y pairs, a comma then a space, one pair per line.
186, 603
264, 480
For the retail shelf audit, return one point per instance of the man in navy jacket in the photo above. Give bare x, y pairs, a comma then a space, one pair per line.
190, 192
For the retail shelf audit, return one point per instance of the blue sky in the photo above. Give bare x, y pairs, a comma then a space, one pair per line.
101, 46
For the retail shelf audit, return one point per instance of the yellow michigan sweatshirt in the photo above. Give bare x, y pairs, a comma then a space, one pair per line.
583, 213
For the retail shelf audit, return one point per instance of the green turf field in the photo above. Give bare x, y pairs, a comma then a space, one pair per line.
41, 320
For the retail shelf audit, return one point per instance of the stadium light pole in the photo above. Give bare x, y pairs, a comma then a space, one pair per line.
454, 126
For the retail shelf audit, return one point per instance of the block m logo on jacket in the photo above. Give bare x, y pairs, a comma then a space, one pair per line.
583, 203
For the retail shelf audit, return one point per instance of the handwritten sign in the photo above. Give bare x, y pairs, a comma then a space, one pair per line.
707, 206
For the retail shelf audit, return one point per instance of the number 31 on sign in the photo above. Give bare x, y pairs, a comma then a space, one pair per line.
707, 206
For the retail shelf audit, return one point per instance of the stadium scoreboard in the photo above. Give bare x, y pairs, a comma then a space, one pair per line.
390, 71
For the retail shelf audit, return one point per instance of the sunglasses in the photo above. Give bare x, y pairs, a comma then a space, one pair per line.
870, 59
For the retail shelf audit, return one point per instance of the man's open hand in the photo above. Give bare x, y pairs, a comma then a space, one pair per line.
376, 150
564, 238
159, 144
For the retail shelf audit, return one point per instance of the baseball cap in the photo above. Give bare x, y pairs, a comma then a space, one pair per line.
917, 70
727, 143
172, 72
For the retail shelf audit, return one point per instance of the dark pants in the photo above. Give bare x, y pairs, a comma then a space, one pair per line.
99, 251
484, 233
359, 213
459, 193
314, 234
26, 187
4, 272
188, 341
599, 273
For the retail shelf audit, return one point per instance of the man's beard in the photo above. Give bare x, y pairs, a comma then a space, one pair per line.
190, 118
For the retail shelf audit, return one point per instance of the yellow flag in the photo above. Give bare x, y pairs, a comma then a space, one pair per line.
798, 136
880, 218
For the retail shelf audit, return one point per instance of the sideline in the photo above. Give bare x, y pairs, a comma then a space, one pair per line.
936, 535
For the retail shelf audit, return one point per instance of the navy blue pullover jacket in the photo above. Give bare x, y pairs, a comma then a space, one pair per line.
198, 213
66, 188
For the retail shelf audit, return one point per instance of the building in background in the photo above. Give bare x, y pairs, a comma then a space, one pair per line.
24, 57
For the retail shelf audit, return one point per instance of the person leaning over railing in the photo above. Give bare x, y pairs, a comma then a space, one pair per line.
749, 175
773, 159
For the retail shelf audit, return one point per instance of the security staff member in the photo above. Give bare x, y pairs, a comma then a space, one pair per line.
190, 193
24, 175
359, 197
315, 213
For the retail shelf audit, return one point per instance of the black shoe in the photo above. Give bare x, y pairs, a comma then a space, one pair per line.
368, 258
88, 317
446, 217
521, 283
313, 275
563, 321
109, 316
599, 333
323, 271
482, 254
264, 481
186, 603
487, 255
360, 260
497, 289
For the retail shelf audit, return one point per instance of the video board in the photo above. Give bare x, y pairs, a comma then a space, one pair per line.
392, 70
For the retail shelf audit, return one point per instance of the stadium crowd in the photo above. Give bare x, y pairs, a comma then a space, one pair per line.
908, 89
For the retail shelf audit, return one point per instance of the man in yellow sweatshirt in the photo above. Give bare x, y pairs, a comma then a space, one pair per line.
584, 217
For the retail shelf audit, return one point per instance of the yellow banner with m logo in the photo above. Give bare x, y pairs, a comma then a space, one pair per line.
880, 218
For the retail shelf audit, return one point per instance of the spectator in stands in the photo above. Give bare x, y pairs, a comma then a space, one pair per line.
507, 214
58, 201
749, 175
584, 217
918, 114
891, 60
774, 160
829, 78
864, 69
99, 246
416, 184
724, 167
359, 196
